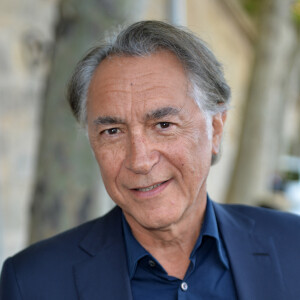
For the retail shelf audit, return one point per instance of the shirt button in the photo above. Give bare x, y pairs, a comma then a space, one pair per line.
184, 286
151, 263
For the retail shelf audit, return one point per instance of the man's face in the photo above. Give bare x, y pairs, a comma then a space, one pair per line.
150, 139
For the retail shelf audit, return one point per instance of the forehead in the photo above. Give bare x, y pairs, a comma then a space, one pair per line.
127, 71
120, 82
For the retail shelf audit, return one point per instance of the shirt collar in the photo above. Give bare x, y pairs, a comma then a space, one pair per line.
210, 228
135, 250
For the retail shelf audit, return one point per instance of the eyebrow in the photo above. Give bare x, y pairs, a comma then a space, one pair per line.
162, 112
153, 115
106, 120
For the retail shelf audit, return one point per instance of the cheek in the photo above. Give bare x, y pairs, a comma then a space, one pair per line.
192, 155
109, 161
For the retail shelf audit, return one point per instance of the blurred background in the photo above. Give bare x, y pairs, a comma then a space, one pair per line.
49, 180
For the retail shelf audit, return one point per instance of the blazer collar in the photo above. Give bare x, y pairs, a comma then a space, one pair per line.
104, 275
253, 258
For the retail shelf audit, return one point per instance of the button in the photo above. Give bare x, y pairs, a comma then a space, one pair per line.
151, 263
184, 286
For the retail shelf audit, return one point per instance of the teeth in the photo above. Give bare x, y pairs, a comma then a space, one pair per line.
149, 188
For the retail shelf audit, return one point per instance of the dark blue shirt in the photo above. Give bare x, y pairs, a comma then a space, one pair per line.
208, 276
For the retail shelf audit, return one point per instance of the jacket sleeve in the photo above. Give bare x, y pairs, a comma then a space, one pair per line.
9, 287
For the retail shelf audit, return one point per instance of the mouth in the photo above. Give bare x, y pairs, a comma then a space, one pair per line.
152, 190
149, 188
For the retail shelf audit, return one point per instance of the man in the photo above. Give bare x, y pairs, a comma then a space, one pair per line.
154, 102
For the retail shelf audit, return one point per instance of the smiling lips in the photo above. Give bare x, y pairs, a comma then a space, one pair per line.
152, 190
149, 188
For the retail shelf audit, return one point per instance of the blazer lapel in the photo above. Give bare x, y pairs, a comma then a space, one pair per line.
253, 259
104, 275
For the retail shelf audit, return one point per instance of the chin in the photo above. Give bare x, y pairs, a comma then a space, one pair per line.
159, 222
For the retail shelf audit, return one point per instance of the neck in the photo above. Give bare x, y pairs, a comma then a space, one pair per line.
172, 245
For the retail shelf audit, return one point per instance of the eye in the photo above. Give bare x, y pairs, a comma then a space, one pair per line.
164, 125
111, 131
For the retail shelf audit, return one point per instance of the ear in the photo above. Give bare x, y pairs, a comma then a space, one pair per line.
218, 122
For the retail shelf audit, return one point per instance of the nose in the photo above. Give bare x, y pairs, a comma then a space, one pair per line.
140, 156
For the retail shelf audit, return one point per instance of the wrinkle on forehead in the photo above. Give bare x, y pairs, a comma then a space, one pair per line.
138, 85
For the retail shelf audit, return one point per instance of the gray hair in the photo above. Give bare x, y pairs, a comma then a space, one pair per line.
208, 86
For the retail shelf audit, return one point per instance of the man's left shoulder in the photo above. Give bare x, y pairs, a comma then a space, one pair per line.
264, 219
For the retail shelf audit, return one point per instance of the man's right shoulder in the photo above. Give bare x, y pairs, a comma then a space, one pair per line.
67, 247
45, 270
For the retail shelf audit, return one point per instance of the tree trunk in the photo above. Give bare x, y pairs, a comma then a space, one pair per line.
67, 177
290, 125
260, 140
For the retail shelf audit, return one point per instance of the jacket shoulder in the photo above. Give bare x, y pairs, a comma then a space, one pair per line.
49, 263
65, 245
265, 220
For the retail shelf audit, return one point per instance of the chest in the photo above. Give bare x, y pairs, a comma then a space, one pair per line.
206, 278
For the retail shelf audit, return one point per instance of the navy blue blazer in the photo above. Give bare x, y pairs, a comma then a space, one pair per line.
89, 262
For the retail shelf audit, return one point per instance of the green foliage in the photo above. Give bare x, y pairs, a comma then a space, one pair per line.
255, 7
291, 176
252, 7
296, 13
